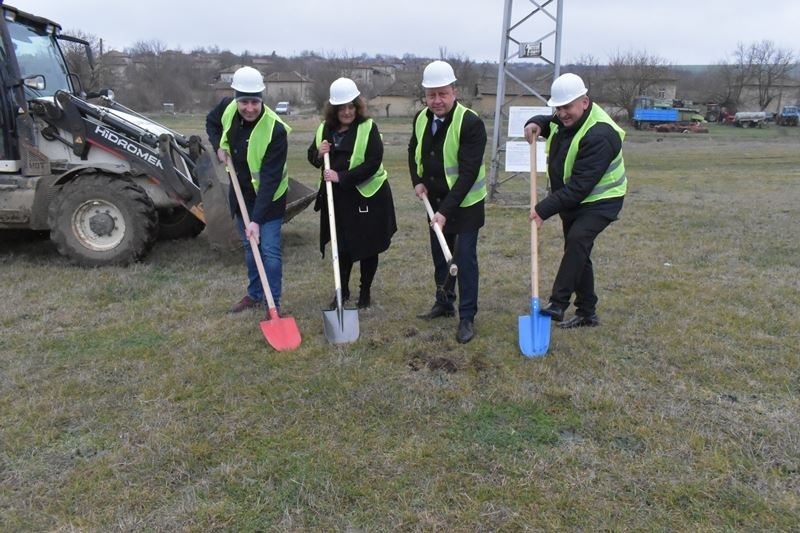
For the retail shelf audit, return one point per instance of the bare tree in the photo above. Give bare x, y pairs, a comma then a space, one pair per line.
468, 75
588, 68
762, 67
718, 85
632, 74
323, 71
78, 61
146, 75
152, 47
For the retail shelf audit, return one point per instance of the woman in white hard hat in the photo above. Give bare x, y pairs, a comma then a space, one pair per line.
587, 183
260, 164
362, 197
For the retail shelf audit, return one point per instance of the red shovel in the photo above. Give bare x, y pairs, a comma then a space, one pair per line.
281, 333
534, 330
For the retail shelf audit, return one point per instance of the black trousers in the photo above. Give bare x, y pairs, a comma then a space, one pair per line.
369, 266
575, 274
464, 247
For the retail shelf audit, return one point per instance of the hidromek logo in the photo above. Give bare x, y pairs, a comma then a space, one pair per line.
128, 146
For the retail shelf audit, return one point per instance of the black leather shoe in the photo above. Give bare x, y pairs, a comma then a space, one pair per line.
579, 321
465, 331
553, 311
438, 310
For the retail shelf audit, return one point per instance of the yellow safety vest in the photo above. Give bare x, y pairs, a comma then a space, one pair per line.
260, 138
452, 142
614, 182
369, 186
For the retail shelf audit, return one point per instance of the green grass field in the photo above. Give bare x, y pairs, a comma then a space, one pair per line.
130, 401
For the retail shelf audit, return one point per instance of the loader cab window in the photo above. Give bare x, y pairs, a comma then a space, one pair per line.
38, 55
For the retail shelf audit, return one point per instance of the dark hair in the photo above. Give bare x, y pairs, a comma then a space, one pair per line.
329, 112
239, 95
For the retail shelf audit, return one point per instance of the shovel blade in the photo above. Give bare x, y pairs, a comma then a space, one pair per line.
281, 333
534, 332
341, 325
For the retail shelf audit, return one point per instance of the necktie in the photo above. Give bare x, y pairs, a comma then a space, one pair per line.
436, 124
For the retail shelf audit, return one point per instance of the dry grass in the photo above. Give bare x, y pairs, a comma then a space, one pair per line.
130, 402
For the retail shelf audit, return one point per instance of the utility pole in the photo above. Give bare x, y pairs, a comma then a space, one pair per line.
538, 20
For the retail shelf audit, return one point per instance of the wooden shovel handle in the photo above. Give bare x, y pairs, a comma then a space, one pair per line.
437, 230
534, 229
253, 244
332, 225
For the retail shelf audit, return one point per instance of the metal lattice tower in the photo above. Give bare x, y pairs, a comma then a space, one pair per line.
539, 22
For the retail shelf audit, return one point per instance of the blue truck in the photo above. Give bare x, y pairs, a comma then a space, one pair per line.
644, 118
649, 112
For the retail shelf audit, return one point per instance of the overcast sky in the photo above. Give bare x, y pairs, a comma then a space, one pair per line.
690, 32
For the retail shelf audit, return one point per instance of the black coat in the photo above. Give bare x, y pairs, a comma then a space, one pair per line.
364, 226
261, 207
470, 158
598, 147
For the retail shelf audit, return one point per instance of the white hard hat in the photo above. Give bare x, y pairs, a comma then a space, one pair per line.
343, 91
565, 89
247, 80
438, 74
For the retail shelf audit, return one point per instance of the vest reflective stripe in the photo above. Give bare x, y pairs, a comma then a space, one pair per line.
260, 138
369, 186
614, 182
450, 154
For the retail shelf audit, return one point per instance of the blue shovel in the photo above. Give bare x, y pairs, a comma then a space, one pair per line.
534, 329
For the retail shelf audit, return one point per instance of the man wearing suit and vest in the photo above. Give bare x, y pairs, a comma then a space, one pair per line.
445, 159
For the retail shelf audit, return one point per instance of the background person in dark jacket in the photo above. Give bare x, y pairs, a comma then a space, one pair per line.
587, 182
447, 165
256, 139
363, 203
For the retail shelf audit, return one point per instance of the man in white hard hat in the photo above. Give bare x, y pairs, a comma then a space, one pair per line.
587, 178
254, 137
445, 159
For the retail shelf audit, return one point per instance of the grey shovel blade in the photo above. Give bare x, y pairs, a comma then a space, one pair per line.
341, 325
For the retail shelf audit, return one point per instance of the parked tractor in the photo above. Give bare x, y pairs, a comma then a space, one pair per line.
788, 116
104, 180
713, 112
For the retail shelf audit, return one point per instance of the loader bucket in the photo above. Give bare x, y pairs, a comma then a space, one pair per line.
298, 197
220, 231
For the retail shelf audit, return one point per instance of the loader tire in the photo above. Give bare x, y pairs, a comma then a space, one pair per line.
178, 223
98, 220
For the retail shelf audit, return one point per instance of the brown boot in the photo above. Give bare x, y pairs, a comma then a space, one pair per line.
243, 304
